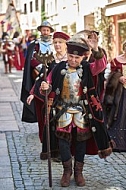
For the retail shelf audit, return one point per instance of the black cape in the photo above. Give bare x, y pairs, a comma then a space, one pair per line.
97, 124
29, 113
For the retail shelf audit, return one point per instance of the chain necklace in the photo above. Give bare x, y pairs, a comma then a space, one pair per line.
79, 70
63, 58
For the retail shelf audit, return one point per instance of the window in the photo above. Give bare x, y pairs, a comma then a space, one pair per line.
73, 28
36, 5
31, 7
25, 8
122, 34
65, 29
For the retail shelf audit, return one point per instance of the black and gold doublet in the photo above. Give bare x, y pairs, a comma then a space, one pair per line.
90, 100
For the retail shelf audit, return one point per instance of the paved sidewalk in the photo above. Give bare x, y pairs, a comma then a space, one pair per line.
20, 165
7, 123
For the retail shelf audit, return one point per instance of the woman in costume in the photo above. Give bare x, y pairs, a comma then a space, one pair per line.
60, 54
114, 101
19, 58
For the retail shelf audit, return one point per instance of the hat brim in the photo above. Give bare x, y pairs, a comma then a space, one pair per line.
88, 32
85, 47
39, 28
76, 48
61, 35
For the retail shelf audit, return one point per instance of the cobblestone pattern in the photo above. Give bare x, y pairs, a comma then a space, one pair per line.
30, 173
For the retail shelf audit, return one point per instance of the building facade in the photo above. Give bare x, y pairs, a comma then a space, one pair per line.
28, 13
30, 16
116, 9
76, 15
72, 16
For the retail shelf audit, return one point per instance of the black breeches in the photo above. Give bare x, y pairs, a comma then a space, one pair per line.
65, 149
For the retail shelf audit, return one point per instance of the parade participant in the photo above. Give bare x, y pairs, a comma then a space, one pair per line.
92, 43
32, 67
7, 49
78, 110
114, 101
59, 41
99, 79
27, 41
19, 58
60, 48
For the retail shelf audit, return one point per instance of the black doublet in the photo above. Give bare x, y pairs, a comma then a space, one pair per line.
97, 125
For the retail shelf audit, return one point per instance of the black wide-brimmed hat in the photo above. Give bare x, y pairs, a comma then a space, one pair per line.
77, 45
45, 24
87, 33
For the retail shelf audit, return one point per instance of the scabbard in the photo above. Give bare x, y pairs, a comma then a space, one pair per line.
60, 112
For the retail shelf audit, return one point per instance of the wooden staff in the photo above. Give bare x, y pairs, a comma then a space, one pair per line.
44, 59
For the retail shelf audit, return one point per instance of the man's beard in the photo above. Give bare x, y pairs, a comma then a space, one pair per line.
45, 38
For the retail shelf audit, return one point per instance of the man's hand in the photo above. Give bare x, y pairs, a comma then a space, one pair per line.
93, 41
44, 86
122, 79
29, 99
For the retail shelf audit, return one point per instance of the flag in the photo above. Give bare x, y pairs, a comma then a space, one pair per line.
9, 27
11, 16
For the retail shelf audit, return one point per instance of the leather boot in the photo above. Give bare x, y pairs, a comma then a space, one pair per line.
65, 180
78, 176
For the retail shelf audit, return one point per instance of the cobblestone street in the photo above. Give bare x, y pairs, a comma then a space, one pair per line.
20, 164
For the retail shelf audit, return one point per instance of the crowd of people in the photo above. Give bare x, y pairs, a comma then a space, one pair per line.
75, 82
13, 50
76, 97
66, 80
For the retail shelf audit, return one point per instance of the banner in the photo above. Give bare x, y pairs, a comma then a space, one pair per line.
11, 17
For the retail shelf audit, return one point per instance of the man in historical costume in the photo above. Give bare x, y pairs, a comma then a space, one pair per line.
32, 67
7, 49
78, 110
98, 79
99, 57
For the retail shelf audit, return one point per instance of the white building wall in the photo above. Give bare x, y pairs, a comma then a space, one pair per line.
4, 4
32, 19
61, 13
68, 12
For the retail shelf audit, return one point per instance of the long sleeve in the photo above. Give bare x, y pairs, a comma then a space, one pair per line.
98, 65
49, 78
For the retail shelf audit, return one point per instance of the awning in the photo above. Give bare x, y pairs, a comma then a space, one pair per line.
115, 9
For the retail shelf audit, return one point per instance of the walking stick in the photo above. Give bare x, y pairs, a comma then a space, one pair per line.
44, 59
